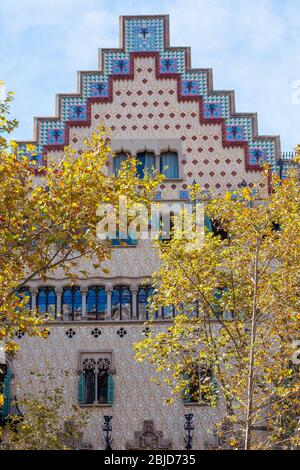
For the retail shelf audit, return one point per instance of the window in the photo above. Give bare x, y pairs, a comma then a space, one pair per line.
46, 300
96, 384
202, 386
218, 230
96, 303
169, 164
118, 160
143, 299
121, 303
146, 162
23, 293
124, 241
168, 311
71, 303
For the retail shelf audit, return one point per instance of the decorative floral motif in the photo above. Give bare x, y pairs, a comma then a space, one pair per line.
19, 334
257, 156
78, 113
168, 65
120, 66
96, 332
235, 133
144, 38
56, 136
121, 332
212, 110
190, 87
99, 89
70, 333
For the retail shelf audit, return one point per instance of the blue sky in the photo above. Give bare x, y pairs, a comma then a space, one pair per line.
253, 47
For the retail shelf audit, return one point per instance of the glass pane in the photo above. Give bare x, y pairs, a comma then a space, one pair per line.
77, 304
25, 293
41, 300
147, 162
67, 304
102, 387
51, 301
126, 304
115, 304
169, 164
142, 303
102, 304
91, 304
90, 385
117, 161
168, 311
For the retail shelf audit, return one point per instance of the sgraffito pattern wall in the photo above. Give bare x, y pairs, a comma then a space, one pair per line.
136, 397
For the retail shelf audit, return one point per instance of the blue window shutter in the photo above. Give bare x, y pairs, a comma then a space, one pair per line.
81, 389
207, 223
7, 393
110, 389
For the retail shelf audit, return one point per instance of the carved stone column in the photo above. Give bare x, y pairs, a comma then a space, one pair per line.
109, 290
58, 291
84, 292
134, 290
33, 293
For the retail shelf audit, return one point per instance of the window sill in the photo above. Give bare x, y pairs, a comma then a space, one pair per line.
171, 180
96, 405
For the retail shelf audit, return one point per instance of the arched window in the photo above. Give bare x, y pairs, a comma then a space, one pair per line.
96, 383
24, 292
121, 303
46, 300
169, 164
146, 162
71, 303
118, 160
143, 299
96, 303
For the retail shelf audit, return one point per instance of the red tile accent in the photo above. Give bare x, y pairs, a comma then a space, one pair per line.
166, 103
129, 116
171, 92
134, 104
161, 115
182, 115
183, 138
118, 93
218, 185
201, 174
150, 70
139, 70
189, 150
172, 115
234, 173
227, 161
194, 115
207, 186
216, 137
139, 93
195, 162
217, 161
150, 92
239, 161
118, 116
211, 149
188, 126
160, 92
107, 116
75, 140
166, 126
96, 116
123, 105
183, 162
155, 104
140, 116
194, 138
128, 93
200, 149
190, 174
173, 186
145, 81
211, 173
228, 185
134, 128
178, 126
150, 115
156, 127
145, 104
223, 173
145, 127
205, 137
123, 128
206, 162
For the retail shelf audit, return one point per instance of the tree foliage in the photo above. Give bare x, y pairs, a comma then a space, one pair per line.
244, 287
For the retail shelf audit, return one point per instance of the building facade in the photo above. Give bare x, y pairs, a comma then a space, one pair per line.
165, 113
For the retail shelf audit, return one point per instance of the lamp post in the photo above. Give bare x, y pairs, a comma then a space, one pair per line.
189, 428
107, 430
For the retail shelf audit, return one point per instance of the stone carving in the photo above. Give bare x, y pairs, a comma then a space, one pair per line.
148, 439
